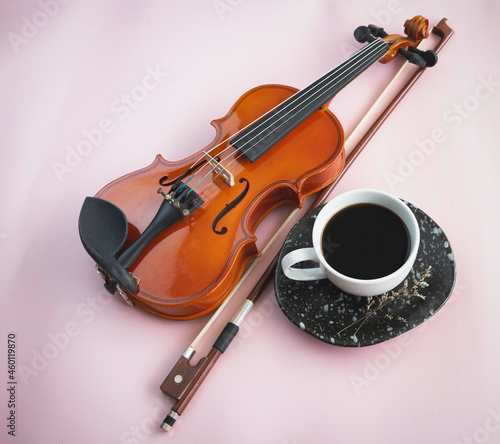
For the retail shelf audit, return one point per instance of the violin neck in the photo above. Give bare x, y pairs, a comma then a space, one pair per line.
324, 89
258, 138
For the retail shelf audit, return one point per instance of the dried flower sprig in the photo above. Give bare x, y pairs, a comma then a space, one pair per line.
374, 305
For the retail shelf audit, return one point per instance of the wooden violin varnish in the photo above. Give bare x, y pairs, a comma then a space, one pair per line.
174, 238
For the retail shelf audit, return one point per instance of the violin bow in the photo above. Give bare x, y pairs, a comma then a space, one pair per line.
184, 379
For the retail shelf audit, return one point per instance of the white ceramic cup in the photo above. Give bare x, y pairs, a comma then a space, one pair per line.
358, 287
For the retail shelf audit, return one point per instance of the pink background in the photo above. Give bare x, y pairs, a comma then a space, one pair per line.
89, 367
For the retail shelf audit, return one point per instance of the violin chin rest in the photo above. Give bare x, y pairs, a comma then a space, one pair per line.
103, 229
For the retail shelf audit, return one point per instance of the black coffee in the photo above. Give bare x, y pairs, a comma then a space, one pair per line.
365, 241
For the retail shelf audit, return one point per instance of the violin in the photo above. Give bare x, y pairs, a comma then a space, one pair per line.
174, 238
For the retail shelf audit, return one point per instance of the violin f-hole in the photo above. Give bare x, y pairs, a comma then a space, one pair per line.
229, 207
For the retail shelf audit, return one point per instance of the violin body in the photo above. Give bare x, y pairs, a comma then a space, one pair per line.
188, 270
179, 256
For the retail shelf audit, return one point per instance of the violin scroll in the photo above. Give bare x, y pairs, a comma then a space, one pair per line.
416, 30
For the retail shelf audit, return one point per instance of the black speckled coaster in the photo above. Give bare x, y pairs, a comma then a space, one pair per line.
324, 311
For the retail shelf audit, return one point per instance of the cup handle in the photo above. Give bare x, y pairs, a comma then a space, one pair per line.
301, 274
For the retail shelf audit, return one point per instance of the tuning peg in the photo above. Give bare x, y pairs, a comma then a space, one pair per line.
430, 57
377, 31
362, 34
412, 57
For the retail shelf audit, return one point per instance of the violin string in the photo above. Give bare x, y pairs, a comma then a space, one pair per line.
307, 97
302, 96
265, 118
304, 103
311, 96
340, 70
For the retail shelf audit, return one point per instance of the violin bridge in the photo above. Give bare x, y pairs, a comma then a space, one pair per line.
218, 169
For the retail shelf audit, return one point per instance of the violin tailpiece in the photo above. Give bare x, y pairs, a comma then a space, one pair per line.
103, 230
